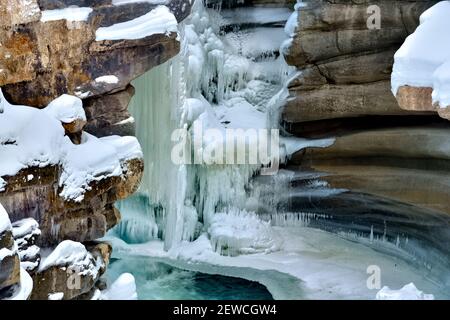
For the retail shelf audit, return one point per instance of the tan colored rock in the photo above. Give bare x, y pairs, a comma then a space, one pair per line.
312, 103
15, 12
409, 164
416, 99
74, 126
59, 219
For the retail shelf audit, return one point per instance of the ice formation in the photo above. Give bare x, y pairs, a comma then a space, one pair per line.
216, 84
240, 232
423, 60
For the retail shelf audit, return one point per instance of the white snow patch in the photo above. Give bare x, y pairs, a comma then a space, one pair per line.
56, 296
122, 2
69, 14
158, 21
241, 232
5, 223
124, 288
110, 79
408, 292
24, 227
66, 108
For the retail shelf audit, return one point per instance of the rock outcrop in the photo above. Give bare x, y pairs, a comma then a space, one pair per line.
346, 58
391, 152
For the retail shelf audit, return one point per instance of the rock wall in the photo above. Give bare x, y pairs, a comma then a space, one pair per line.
346, 64
42, 58
343, 91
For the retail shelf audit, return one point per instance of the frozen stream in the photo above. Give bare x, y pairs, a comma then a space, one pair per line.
225, 220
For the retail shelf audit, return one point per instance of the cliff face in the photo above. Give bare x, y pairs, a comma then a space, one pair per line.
346, 58
48, 49
343, 90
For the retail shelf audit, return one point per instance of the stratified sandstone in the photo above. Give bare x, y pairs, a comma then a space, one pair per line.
347, 63
42, 60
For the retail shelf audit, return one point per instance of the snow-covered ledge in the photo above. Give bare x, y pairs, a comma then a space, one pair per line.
421, 73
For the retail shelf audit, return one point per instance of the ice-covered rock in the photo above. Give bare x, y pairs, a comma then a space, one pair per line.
39, 162
241, 232
71, 269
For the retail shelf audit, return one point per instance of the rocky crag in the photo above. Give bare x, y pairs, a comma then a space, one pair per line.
49, 48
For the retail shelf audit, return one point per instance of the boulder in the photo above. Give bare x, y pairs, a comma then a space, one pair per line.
71, 270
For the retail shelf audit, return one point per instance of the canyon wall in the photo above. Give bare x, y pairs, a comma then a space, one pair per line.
396, 154
48, 49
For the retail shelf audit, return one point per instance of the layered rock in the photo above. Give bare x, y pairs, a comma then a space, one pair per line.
387, 158
346, 58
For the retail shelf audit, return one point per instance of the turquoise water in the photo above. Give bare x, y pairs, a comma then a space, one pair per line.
159, 281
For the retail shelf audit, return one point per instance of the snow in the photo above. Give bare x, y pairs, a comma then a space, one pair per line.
66, 108
5, 252
26, 286
5, 224
56, 296
74, 255
424, 58
312, 264
32, 137
107, 79
124, 288
441, 85
122, 2
158, 21
408, 292
70, 14
241, 232
25, 227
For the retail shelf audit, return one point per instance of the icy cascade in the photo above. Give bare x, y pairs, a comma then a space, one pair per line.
156, 108
219, 81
